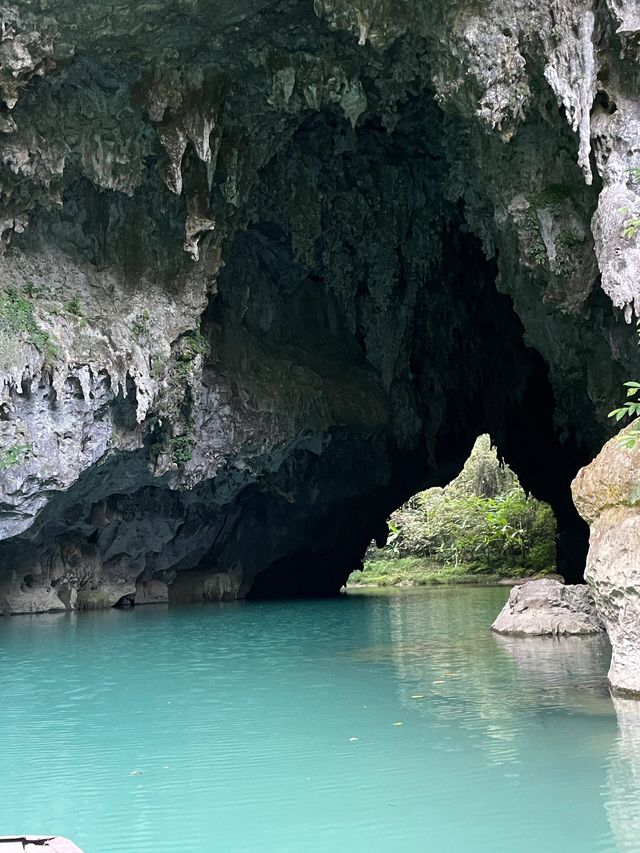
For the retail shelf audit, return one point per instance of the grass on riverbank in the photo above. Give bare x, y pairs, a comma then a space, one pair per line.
417, 571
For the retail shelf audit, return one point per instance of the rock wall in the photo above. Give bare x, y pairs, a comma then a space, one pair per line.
607, 494
269, 268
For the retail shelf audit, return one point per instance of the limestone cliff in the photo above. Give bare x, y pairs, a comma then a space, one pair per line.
607, 493
269, 268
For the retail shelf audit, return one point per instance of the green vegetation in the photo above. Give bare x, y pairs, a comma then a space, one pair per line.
72, 306
419, 571
158, 365
480, 528
537, 248
631, 227
141, 327
191, 345
566, 243
16, 317
181, 449
10, 456
629, 409
552, 199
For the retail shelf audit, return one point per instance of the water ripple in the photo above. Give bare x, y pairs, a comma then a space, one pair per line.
376, 722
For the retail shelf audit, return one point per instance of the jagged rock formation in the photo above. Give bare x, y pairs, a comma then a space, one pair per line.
269, 268
548, 607
607, 494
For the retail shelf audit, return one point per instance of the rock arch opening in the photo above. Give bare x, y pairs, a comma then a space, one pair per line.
482, 527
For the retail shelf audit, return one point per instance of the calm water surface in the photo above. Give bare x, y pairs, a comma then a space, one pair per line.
376, 722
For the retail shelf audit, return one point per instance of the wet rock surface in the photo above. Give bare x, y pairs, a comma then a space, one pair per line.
607, 494
548, 607
268, 269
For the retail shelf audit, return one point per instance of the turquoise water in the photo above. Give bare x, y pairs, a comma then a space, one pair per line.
276, 727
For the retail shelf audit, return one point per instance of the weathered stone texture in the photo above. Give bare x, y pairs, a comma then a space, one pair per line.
270, 267
548, 607
607, 494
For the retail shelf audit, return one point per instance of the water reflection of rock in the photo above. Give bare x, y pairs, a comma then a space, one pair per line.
485, 691
563, 667
622, 793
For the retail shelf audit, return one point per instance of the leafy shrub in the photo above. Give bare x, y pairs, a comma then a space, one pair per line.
630, 408
482, 523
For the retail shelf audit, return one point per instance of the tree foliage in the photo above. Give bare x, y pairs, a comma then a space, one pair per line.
483, 521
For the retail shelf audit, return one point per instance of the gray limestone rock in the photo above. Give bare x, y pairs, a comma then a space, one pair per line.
607, 494
548, 607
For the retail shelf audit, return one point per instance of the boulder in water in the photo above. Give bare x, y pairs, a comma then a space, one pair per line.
547, 606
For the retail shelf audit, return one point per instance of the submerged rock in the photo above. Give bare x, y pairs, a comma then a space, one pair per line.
607, 494
548, 607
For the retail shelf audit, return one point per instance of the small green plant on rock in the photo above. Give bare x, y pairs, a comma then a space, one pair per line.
566, 244
552, 198
181, 449
16, 316
191, 345
631, 227
158, 365
72, 306
631, 409
10, 456
141, 327
537, 248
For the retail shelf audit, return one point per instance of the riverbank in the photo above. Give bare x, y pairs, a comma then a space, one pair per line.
419, 571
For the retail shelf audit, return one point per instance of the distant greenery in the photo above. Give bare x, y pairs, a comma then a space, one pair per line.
419, 571
191, 345
482, 527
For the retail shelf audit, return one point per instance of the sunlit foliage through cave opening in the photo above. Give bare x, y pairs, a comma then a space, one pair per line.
482, 527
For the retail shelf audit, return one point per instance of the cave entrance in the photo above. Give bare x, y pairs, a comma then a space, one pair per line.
356, 344
371, 318
482, 527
